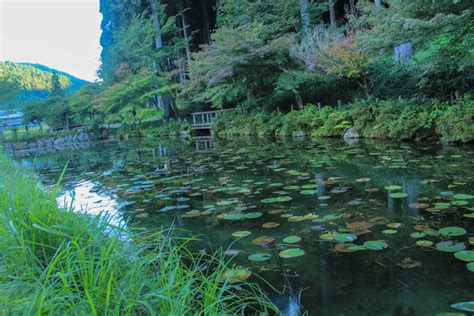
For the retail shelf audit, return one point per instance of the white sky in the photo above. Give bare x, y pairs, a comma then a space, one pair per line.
61, 34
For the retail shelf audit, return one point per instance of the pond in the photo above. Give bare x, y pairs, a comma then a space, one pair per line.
361, 229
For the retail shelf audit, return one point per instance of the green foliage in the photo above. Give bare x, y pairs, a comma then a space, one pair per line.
56, 261
412, 119
455, 123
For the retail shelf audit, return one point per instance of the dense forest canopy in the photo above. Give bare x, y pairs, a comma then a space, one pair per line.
169, 58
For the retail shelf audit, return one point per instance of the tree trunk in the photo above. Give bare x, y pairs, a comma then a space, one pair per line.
156, 24
159, 45
305, 17
185, 30
332, 12
378, 3
207, 31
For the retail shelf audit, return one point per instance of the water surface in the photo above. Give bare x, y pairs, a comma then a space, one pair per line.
314, 190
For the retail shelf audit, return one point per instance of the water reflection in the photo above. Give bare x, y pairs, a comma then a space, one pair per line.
154, 184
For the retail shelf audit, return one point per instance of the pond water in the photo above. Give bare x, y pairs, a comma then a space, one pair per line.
365, 220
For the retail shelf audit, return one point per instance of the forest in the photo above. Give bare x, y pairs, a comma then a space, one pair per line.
375, 60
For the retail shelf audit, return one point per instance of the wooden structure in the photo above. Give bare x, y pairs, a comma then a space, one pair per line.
204, 144
203, 120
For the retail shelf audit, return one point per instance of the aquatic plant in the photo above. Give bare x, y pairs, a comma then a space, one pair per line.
56, 261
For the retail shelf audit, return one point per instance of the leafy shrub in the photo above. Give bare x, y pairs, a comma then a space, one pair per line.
455, 124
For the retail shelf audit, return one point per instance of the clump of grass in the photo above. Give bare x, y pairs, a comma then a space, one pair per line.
55, 261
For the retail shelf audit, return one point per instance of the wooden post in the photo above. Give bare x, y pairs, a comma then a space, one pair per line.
278, 109
319, 106
292, 107
194, 119
339, 104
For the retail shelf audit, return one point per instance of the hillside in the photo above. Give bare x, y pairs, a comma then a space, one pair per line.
31, 82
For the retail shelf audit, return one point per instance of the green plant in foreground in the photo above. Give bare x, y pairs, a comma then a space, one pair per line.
55, 261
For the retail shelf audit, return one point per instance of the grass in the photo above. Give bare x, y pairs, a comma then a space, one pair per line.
55, 261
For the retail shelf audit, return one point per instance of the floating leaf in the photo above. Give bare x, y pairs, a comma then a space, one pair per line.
398, 195
241, 233
417, 235
462, 196
465, 255
470, 266
232, 216
389, 231
291, 239
291, 253
327, 236
270, 225
344, 237
235, 275
452, 231
331, 217
392, 187
308, 192
409, 263
348, 247
253, 215
263, 240
449, 246
424, 243
259, 257
464, 306
375, 245
459, 203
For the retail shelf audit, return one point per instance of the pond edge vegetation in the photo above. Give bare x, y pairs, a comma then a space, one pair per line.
58, 261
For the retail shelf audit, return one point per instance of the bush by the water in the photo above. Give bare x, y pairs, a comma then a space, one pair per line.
390, 119
59, 262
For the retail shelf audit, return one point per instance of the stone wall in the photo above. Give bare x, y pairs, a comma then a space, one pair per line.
49, 144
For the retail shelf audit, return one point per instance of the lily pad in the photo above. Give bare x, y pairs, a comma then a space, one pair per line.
263, 240
235, 275
462, 196
392, 187
376, 245
270, 225
398, 195
470, 266
459, 203
465, 255
452, 231
449, 246
232, 216
291, 239
424, 243
253, 215
331, 217
291, 253
259, 256
464, 306
241, 233
389, 231
344, 237
417, 235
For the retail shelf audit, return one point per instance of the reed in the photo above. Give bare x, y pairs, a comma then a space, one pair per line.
56, 261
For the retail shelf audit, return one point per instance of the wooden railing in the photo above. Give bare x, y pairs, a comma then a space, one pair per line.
203, 120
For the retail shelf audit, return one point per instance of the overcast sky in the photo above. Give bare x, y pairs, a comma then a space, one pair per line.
61, 34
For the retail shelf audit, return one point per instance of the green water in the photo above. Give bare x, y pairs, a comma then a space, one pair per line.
201, 187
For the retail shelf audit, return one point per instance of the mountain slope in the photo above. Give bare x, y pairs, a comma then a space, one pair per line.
33, 81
